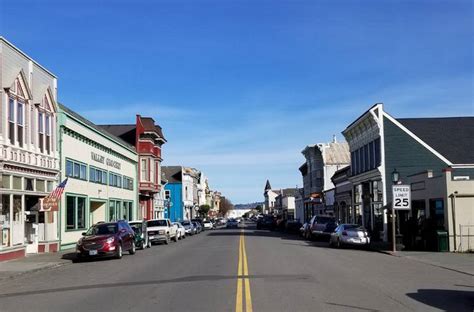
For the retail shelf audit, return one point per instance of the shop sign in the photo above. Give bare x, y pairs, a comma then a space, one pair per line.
109, 162
49, 203
401, 197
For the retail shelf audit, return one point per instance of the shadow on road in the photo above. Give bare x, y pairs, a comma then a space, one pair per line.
184, 279
446, 300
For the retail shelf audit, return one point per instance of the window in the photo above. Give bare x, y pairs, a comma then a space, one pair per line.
40, 132
97, 175
75, 213
20, 124
353, 163
377, 152
127, 183
48, 134
152, 171
11, 120
76, 170
115, 210
115, 179
143, 170
372, 156
167, 194
366, 158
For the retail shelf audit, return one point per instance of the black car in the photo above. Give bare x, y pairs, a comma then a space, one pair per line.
267, 222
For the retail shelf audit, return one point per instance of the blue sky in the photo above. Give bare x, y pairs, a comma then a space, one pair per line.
240, 87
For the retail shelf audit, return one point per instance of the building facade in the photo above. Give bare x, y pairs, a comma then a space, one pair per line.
343, 195
381, 145
29, 160
179, 193
270, 198
148, 139
102, 176
322, 161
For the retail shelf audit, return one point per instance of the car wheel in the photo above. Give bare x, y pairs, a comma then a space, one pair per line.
133, 250
119, 253
175, 238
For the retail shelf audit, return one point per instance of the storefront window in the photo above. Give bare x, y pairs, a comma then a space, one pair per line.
75, 212
5, 181
40, 185
29, 184
5, 220
112, 216
16, 208
17, 183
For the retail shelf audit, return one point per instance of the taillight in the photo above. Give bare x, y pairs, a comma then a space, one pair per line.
344, 233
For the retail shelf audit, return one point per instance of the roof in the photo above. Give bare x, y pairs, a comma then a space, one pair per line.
268, 186
337, 153
452, 137
125, 132
172, 173
95, 127
149, 125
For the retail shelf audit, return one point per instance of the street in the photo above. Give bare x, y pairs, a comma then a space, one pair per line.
242, 270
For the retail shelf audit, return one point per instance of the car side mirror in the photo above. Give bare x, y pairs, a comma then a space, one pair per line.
83, 233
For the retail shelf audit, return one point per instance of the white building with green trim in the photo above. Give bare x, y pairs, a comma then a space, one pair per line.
102, 176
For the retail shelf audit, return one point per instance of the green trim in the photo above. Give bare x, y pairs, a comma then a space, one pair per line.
101, 200
86, 211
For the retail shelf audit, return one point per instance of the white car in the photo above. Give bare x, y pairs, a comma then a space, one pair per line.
180, 230
208, 225
161, 230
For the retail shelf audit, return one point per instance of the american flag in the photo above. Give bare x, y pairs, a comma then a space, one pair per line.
59, 190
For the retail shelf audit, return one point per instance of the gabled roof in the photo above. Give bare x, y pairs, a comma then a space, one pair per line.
172, 173
452, 137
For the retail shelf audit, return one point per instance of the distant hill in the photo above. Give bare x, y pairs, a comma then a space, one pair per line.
248, 206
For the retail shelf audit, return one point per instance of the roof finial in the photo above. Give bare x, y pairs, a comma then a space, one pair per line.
334, 139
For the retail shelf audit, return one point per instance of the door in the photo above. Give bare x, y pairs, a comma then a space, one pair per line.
31, 231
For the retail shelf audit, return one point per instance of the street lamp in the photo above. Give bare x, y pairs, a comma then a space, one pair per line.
395, 176
395, 180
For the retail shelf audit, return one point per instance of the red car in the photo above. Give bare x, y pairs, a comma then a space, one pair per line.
106, 240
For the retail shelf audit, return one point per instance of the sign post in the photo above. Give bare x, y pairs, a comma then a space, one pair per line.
401, 200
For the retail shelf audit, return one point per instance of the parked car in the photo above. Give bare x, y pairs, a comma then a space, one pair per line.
350, 234
207, 225
321, 226
181, 232
232, 223
189, 227
266, 222
141, 234
198, 227
106, 239
161, 230
293, 226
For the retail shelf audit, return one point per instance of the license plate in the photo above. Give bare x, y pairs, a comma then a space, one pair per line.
92, 252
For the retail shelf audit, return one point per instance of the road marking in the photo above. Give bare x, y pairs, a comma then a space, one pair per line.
243, 281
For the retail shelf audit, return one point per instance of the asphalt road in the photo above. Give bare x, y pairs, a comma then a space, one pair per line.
221, 271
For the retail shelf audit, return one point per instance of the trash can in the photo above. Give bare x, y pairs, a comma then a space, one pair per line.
442, 239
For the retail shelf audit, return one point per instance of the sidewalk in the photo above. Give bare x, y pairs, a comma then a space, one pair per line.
33, 263
459, 262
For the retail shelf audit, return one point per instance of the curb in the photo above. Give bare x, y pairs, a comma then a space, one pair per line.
44, 268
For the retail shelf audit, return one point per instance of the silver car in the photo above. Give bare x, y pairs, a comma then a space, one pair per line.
350, 234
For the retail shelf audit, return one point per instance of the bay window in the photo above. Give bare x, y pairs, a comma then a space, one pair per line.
11, 120
40, 132
19, 122
48, 134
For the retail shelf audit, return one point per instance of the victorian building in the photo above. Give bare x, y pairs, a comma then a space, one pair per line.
322, 161
29, 159
435, 156
147, 138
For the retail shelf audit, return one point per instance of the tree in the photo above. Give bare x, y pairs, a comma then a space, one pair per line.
204, 210
259, 208
225, 206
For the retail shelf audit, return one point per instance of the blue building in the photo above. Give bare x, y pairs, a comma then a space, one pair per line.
174, 193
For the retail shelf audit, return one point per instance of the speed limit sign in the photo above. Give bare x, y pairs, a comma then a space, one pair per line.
401, 197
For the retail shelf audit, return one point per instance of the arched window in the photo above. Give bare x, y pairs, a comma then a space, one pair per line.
17, 98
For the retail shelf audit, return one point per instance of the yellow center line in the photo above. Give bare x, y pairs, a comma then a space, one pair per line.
243, 281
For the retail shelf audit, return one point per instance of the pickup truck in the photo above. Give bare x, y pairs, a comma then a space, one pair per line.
161, 230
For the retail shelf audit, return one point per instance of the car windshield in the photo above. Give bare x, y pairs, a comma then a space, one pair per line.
186, 223
152, 223
353, 227
324, 220
137, 230
103, 229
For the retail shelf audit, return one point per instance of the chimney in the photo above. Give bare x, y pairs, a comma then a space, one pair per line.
334, 140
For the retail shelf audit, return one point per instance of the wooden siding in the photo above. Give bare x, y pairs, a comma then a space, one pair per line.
405, 154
